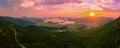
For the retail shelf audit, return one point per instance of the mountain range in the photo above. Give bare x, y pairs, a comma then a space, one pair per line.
14, 35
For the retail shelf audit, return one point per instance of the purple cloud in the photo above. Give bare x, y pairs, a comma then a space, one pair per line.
54, 4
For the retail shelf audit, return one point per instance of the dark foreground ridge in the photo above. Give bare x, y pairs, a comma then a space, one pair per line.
7, 39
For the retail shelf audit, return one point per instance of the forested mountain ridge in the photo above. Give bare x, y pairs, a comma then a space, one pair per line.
7, 36
18, 21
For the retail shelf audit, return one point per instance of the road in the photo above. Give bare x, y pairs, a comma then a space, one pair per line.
17, 39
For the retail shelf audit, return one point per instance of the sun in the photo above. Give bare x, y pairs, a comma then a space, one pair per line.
92, 14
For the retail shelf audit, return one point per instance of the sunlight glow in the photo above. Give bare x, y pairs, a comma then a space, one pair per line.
92, 14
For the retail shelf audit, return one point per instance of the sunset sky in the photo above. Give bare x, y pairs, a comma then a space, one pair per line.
59, 8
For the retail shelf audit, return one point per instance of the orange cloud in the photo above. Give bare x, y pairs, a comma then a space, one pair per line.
27, 4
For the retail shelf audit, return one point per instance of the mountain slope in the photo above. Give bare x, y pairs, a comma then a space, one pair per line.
108, 36
7, 37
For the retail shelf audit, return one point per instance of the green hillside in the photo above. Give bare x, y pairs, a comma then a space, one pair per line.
7, 36
107, 36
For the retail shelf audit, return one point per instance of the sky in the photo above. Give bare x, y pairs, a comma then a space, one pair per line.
59, 8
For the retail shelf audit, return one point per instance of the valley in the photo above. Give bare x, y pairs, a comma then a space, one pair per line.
60, 36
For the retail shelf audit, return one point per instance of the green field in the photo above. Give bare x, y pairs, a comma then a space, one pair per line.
48, 24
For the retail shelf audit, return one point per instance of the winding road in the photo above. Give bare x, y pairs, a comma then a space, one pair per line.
17, 39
